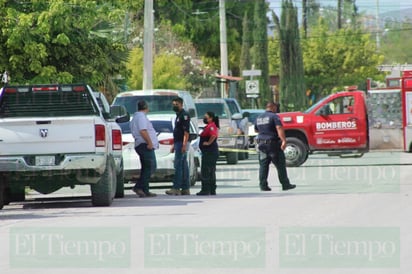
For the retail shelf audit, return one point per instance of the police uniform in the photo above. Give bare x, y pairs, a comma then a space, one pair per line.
182, 125
269, 145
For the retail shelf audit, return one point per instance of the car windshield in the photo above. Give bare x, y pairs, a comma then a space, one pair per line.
232, 106
156, 103
217, 108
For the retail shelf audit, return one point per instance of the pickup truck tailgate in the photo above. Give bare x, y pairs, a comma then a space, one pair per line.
34, 136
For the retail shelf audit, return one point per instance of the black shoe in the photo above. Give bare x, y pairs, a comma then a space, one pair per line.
287, 187
139, 192
150, 194
203, 193
213, 192
265, 188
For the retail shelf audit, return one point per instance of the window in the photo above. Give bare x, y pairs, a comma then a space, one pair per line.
341, 105
217, 108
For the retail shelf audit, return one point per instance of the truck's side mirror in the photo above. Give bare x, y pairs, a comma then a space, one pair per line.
237, 116
120, 114
324, 111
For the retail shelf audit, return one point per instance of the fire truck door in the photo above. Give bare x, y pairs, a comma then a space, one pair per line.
336, 125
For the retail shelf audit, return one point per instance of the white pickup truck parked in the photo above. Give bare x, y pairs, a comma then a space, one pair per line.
54, 136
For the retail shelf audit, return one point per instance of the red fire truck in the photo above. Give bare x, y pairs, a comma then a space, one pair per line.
338, 125
406, 98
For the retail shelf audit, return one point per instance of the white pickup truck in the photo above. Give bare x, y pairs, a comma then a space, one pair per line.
54, 136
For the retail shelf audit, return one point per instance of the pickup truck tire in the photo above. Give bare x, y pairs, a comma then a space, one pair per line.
232, 158
241, 155
120, 183
15, 194
1, 195
295, 152
103, 192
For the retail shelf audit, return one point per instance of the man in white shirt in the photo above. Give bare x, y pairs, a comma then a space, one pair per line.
145, 143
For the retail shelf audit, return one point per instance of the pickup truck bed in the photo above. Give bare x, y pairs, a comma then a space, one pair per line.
53, 136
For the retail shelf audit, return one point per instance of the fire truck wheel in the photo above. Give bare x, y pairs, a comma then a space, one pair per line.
295, 152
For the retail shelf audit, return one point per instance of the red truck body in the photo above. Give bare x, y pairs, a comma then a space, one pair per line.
336, 125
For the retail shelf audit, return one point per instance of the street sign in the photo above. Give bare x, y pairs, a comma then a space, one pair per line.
253, 72
252, 86
252, 95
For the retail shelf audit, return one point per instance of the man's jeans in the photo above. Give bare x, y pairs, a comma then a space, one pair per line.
181, 178
148, 166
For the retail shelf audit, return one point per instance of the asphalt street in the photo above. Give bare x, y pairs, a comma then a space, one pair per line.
345, 216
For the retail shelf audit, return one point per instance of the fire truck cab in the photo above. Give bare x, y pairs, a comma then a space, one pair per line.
336, 125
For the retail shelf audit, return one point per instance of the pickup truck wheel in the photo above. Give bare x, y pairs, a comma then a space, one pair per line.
120, 183
231, 158
295, 152
1, 195
14, 194
103, 191
241, 154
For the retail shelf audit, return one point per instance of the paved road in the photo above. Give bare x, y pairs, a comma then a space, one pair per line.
346, 216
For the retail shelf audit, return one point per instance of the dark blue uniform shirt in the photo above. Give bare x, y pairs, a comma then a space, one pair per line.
182, 125
266, 126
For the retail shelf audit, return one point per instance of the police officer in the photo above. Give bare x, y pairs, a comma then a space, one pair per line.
271, 142
180, 147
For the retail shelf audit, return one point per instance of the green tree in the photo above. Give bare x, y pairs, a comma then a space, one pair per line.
292, 86
274, 55
167, 68
396, 43
260, 49
191, 68
59, 41
337, 59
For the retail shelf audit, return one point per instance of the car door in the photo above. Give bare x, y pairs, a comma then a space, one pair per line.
336, 125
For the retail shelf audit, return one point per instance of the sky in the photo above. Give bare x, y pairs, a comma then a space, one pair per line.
369, 6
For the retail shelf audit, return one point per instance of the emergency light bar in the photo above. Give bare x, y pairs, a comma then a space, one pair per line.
54, 88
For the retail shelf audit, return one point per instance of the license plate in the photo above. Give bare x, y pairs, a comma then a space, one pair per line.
45, 161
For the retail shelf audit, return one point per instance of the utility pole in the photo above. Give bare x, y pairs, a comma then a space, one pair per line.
148, 45
378, 42
223, 47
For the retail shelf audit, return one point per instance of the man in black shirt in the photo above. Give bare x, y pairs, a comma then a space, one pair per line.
271, 141
180, 147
